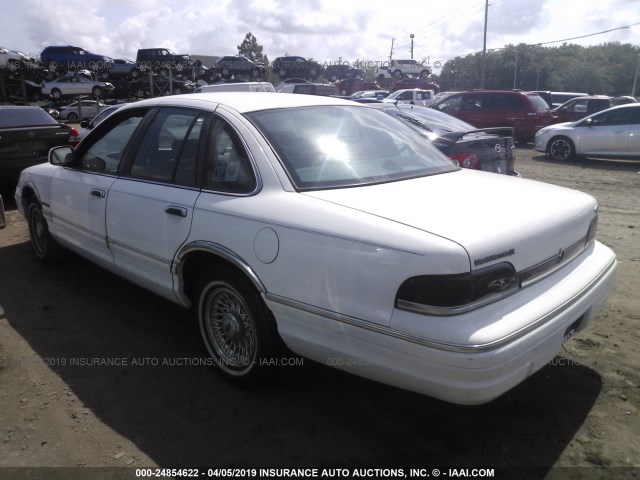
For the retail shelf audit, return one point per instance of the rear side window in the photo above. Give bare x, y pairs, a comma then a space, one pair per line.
25, 117
507, 101
228, 168
168, 150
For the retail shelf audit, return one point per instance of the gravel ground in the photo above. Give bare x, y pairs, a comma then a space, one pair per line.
155, 405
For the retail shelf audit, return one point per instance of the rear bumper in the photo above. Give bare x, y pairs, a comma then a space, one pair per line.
494, 349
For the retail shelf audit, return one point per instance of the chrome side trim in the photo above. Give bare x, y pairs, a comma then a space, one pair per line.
449, 347
220, 251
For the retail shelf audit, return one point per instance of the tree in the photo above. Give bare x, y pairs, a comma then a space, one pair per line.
251, 49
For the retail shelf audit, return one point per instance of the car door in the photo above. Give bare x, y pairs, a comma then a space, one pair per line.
633, 146
575, 110
474, 110
606, 133
79, 192
150, 207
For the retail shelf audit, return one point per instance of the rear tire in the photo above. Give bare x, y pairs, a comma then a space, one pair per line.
235, 324
561, 149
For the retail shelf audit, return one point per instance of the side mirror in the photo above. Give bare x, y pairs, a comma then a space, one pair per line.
84, 123
61, 155
589, 122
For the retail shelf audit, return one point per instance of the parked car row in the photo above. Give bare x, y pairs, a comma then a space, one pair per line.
525, 112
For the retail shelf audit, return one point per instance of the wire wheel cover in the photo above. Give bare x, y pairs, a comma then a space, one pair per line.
230, 328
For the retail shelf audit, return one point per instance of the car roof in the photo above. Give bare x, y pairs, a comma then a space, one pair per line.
245, 102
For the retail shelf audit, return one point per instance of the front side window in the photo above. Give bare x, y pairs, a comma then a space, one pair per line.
338, 146
613, 117
472, 103
104, 153
450, 104
579, 106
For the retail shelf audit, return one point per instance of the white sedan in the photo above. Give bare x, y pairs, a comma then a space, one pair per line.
333, 228
611, 133
75, 85
81, 109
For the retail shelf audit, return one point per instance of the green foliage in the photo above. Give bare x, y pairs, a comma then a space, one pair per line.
606, 69
251, 49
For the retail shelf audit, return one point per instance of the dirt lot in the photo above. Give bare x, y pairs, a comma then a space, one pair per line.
60, 405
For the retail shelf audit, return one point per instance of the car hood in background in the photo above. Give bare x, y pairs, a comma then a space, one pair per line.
494, 217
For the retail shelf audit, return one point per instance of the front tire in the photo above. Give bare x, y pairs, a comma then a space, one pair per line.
46, 248
56, 94
397, 74
561, 149
235, 325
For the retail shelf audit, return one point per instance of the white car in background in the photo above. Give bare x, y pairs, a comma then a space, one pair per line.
88, 125
75, 85
413, 96
611, 133
332, 227
81, 110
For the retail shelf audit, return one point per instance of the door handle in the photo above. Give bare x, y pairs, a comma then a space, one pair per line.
178, 211
98, 193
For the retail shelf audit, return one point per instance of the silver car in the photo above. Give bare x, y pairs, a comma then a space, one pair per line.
75, 85
611, 133
81, 110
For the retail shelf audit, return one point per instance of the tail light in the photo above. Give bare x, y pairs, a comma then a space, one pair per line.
466, 160
459, 293
73, 138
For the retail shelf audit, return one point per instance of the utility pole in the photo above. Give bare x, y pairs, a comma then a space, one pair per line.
411, 36
484, 45
515, 71
635, 79
391, 52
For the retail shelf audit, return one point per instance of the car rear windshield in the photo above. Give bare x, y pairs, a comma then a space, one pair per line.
25, 117
338, 146
539, 105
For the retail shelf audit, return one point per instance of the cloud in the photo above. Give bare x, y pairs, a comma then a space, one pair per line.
53, 26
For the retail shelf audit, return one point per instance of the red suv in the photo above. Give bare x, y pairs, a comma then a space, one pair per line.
525, 112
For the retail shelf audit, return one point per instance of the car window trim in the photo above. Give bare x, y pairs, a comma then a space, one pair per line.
218, 122
106, 126
130, 151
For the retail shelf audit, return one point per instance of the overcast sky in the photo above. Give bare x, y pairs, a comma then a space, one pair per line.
326, 30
